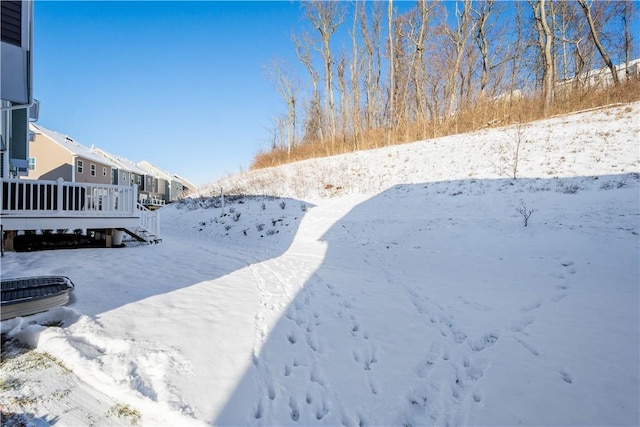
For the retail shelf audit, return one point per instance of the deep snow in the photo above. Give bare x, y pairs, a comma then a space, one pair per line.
390, 287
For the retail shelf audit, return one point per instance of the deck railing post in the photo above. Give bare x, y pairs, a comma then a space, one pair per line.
59, 196
134, 204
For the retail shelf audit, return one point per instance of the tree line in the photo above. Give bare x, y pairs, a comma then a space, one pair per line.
394, 72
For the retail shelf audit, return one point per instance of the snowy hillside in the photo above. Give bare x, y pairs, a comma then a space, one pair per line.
391, 287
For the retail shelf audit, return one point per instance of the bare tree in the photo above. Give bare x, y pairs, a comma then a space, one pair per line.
628, 9
544, 44
355, 81
342, 89
288, 88
459, 39
417, 33
596, 39
313, 129
326, 17
372, 63
392, 82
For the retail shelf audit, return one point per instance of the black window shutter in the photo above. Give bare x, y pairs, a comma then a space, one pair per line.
19, 133
11, 25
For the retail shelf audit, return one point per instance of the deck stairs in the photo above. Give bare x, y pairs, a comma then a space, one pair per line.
148, 226
142, 235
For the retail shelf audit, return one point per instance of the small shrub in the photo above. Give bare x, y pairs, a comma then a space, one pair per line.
525, 212
263, 206
236, 216
303, 207
567, 188
260, 227
77, 231
126, 412
283, 205
271, 232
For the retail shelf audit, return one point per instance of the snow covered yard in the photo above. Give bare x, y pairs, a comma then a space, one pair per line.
413, 296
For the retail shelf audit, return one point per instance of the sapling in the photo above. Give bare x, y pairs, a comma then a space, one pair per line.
525, 212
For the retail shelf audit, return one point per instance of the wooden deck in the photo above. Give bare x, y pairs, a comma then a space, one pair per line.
55, 205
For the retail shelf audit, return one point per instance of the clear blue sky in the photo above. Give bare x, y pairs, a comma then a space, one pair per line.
180, 84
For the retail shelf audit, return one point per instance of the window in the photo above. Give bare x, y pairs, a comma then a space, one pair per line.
139, 180
80, 166
124, 177
93, 169
32, 163
104, 171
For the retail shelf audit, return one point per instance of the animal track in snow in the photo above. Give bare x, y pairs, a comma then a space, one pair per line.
272, 392
566, 377
259, 410
295, 413
520, 325
431, 359
532, 306
487, 340
530, 348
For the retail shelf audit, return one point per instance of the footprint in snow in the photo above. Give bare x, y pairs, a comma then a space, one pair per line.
487, 340
295, 413
531, 306
566, 377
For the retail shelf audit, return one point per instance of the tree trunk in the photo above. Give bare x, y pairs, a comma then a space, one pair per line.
596, 40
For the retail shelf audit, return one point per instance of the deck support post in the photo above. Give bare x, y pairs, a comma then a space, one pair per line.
8, 237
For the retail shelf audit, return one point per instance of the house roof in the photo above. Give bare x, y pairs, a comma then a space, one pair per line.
121, 162
185, 182
153, 169
70, 144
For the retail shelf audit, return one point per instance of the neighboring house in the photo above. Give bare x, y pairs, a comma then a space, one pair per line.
601, 77
168, 188
53, 155
129, 173
187, 187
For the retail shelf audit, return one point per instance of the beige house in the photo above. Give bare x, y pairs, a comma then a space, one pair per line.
53, 155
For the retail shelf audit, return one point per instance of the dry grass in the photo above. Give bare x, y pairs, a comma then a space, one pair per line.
478, 116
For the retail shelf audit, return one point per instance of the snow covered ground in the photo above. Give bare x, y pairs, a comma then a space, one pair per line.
397, 286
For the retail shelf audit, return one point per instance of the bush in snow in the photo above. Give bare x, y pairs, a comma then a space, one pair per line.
525, 212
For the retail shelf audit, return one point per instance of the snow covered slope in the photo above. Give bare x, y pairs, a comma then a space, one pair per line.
392, 287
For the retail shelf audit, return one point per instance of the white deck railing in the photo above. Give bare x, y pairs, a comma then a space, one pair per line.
34, 198
149, 220
153, 202
31, 197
